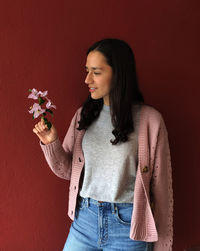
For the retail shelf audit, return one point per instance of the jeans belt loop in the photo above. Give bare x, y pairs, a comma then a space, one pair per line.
87, 202
112, 207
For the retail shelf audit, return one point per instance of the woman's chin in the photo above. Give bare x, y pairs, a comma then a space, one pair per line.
95, 96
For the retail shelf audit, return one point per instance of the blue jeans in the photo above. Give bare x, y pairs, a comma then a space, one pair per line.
102, 226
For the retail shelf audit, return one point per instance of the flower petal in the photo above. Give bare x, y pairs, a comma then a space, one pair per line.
49, 104
32, 96
43, 94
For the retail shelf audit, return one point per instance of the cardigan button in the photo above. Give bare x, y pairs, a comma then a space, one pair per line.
145, 169
71, 212
79, 159
74, 187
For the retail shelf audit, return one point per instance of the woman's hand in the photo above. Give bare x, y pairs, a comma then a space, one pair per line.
44, 134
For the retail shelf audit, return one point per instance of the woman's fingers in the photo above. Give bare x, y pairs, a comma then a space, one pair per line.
45, 135
43, 125
35, 130
40, 127
42, 122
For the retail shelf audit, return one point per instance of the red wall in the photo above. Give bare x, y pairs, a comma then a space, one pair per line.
43, 45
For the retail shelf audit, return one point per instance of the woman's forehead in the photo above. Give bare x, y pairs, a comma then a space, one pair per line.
96, 61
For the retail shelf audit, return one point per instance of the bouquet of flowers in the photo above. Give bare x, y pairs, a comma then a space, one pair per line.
41, 108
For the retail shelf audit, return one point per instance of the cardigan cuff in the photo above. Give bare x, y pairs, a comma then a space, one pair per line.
51, 148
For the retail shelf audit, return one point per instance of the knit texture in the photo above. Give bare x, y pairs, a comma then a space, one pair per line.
152, 217
110, 170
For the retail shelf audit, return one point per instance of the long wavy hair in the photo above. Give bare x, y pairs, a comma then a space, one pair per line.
124, 92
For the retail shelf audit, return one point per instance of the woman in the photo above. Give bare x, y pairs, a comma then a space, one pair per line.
116, 155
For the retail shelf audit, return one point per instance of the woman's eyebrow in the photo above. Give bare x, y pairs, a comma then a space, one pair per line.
94, 68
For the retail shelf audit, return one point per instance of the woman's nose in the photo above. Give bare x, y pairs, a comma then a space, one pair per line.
88, 78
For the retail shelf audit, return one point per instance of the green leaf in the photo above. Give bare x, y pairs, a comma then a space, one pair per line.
41, 100
48, 110
30, 90
49, 125
45, 120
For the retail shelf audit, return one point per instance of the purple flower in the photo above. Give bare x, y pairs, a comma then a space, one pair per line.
49, 104
35, 94
36, 110
43, 94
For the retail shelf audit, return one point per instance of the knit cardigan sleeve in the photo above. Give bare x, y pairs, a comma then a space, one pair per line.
59, 156
162, 191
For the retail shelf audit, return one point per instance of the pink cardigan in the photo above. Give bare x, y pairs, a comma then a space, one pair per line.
152, 218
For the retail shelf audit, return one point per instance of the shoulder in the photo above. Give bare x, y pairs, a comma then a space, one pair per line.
150, 113
151, 119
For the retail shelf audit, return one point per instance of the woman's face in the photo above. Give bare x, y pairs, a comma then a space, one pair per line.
99, 76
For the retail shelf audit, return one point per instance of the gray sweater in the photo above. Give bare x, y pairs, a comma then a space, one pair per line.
110, 170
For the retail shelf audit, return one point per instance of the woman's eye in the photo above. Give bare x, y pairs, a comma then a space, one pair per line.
95, 73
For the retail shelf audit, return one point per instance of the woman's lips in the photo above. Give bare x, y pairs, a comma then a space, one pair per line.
91, 89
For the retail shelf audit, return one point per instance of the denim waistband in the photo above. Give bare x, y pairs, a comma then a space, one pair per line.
102, 203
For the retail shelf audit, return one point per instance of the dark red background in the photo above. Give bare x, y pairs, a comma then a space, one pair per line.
43, 45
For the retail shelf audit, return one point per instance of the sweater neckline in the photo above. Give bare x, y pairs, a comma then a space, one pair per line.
106, 107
